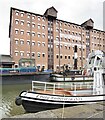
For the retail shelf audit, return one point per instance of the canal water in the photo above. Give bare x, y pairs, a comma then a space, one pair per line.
9, 93
10, 88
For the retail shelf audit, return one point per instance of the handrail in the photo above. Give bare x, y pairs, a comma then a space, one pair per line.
47, 86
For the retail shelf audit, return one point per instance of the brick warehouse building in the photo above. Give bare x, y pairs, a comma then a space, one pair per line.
51, 42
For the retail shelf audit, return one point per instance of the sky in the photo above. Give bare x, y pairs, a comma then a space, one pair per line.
76, 11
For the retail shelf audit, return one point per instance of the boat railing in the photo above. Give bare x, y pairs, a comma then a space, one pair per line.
60, 87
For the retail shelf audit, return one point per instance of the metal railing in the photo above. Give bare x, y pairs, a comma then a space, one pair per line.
53, 87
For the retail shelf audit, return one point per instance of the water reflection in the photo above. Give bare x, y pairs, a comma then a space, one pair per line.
9, 93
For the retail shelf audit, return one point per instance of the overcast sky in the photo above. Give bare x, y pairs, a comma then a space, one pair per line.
76, 11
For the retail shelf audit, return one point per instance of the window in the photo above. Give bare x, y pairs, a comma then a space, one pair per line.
38, 18
38, 55
38, 26
66, 39
28, 54
21, 32
28, 24
57, 56
33, 43
65, 57
39, 43
43, 19
17, 21
60, 23
43, 27
28, 16
65, 24
69, 40
16, 41
33, 54
43, 54
57, 38
61, 39
16, 53
16, 31
38, 35
21, 42
69, 31
65, 47
21, 53
33, 25
43, 35
57, 23
68, 57
28, 33
72, 33
69, 47
76, 34
73, 26
22, 22
43, 44
17, 13
28, 42
65, 31
22, 14
57, 29
61, 56
33, 34
72, 40
33, 17
61, 30
68, 25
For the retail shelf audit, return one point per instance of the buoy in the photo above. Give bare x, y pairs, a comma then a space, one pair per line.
18, 101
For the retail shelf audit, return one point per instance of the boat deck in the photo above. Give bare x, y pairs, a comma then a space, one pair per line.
62, 89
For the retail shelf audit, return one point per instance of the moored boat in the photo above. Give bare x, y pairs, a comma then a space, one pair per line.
51, 95
95, 61
47, 95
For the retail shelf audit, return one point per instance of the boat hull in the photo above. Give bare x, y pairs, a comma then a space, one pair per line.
61, 78
32, 106
35, 102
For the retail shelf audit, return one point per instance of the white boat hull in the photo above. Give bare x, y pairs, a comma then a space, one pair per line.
61, 78
34, 102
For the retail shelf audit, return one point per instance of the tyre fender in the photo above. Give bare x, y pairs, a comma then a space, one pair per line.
18, 101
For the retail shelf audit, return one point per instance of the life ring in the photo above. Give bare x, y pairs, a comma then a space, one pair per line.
18, 101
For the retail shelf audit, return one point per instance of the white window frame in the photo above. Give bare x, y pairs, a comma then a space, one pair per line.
16, 21
22, 22
33, 43
21, 42
16, 31
22, 32
28, 54
38, 54
22, 14
28, 42
16, 13
28, 33
28, 15
39, 18
21, 53
33, 17
33, 54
